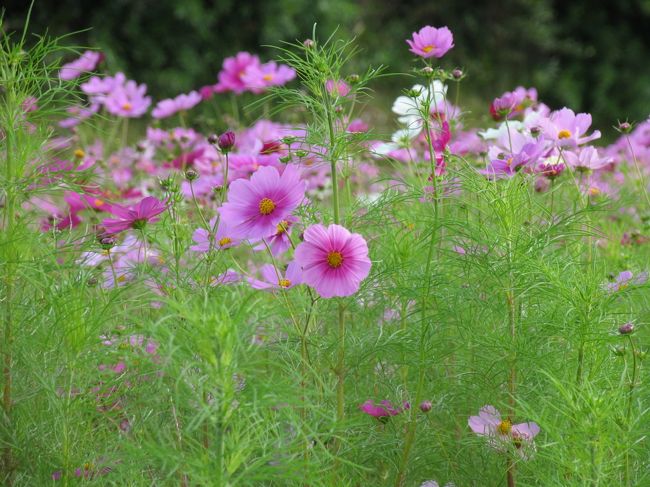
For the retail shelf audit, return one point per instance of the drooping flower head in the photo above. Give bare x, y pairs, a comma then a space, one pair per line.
137, 216
430, 41
383, 410
255, 207
87, 62
334, 260
503, 433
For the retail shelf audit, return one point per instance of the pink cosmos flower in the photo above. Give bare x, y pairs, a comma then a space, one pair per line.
624, 280
255, 207
230, 77
128, 100
136, 216
430, 41
502, 432
382, 410
88, 61
259, 77
568, 129
167, 108
272, 279
586, 159
279, 242
222, 238
337, 88
334, 261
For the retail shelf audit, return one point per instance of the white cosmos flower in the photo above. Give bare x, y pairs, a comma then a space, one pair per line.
401, 139
494, 134
409, 109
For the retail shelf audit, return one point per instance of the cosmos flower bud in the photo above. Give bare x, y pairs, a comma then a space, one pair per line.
626, 328
288, 140
107, 242
618, 350
427, 70
457, 74
191, 175
353, 79
535, 131
213, 139
308, 43
425, 406
285, 159
226, 141
624, 127
301, 153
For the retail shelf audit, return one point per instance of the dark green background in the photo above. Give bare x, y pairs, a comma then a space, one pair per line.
591, 56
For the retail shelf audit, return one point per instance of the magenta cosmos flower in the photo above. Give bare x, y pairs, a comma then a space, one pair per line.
382, 410
334, 261
501, 431
167, 108
137, 216
255, 207
431, 41
88, 61
230, 77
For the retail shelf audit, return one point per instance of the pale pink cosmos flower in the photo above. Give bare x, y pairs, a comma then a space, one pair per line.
222, 237
280, 241
586, 159
501, 432
167, 108
255, 207
230, 77
626, 279
259, 77
137, 216
274, 279
128, 100
568, 129
430, 41
334, 261
88, 61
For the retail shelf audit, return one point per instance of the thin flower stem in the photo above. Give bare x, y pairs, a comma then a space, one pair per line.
639, 173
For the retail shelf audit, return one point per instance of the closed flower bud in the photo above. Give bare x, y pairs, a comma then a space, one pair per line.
425, 406
300, 153
353, 79
213, 139
308, 43
191, 175
226, 141
285, 159
427, 70
107, 242
626, 328
618, 350
625, 127
288, 140
457, 73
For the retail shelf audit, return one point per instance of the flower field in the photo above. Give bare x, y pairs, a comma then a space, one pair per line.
282, 290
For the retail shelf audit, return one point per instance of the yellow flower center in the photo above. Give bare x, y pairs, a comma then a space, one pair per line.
428, 48
127, 106
88, 466
79, 154
266, 206
121, 278
594, 191
334, 259
98, 202
509, 161
563, 134
282, 227
225, 241
267, 77
284, 283
504, 427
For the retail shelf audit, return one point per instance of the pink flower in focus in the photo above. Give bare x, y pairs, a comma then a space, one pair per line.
259, 77
334, 261
87, 62
135, 217
382, 410
255, 207
272, 279
430, 41
167, 108
230, 77
502, 432
568, 129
